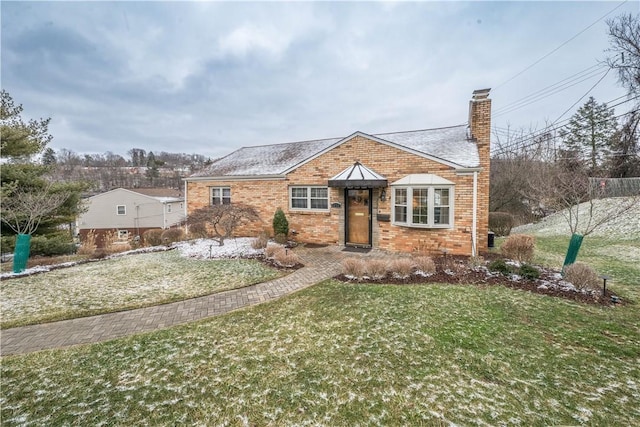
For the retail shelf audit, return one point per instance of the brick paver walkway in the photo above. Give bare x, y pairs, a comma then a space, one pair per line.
320, 264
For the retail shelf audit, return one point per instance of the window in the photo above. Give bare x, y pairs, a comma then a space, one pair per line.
123, 235
168, 207
429, 206
220, 195
121, 210
309, 198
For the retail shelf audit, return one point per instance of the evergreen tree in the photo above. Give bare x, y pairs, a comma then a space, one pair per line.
24, 179
152, 167
589, 133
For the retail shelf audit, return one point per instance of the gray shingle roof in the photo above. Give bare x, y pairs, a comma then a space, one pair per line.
451, 145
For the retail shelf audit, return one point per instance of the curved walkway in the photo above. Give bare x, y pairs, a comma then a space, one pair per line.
320, 264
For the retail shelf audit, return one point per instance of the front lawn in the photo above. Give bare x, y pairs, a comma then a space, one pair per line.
122, 283
349, 354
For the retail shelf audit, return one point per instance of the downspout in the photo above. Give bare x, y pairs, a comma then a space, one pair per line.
164, 215
186, 229
474, 225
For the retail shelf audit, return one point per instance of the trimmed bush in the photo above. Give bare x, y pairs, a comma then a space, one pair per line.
376, 268
582, 276
425, 264
286, 258
402, 267
271, 250
499, 266
529, 272
501, 223
519, 247
8, 244
152, 237
260, 242
280, 224
353, 268
172, 235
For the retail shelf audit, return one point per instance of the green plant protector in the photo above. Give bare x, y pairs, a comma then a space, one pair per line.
21, 253
574, 248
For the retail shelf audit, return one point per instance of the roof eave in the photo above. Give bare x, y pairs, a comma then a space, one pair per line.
235, 178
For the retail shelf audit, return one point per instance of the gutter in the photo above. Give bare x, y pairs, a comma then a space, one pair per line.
235, 178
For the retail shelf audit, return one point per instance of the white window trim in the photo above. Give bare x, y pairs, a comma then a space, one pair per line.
118, 209
430, 205
221, 198
169, 209
309, 208
123, 235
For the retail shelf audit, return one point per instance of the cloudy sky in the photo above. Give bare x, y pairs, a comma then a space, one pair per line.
210, 77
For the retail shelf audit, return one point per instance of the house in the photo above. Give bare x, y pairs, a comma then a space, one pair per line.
424, 190
130, 212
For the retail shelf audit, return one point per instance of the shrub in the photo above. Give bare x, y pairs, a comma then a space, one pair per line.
500, 266
172, 235
402, 267
501, 223
376, 268
152, 237
271, 250
519, 247
198, 230
8, 244
529, 272
112, 245
353, 267
582, 276
476, 261
260, 242
280, 238
286, 258
88, 246
425, 264
52, 245
280, 223
452, 266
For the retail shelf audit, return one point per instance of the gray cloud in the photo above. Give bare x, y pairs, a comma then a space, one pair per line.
208, 77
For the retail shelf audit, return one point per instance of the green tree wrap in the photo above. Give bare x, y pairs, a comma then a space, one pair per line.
21, 253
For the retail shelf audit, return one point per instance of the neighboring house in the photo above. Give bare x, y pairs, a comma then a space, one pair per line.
130, 212
424, 190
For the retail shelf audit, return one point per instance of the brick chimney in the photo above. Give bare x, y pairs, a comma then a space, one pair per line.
480, 128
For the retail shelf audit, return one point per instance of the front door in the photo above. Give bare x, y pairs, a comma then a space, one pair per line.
358, 217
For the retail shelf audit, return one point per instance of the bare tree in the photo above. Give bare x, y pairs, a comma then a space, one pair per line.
573, 195
222, 220
24, 210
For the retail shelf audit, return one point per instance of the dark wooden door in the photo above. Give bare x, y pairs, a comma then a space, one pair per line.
359, 217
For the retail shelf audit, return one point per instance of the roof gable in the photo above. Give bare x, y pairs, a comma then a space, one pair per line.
158, 198
451, 146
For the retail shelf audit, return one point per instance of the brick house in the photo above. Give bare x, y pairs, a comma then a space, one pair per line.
417, 190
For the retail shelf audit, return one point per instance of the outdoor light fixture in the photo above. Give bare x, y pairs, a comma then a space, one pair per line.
604, 278
383, 194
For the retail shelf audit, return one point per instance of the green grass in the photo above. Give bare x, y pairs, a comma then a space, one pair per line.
618, 259
352, 355
122, 283
341, 354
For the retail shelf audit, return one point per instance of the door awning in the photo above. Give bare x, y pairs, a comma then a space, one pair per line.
358, 176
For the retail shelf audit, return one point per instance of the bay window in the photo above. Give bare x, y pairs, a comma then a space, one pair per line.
423, 206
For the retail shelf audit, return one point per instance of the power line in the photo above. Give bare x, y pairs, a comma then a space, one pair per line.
531, 99
559, 47
552, 128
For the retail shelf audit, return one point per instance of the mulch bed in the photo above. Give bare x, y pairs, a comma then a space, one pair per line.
482, 277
